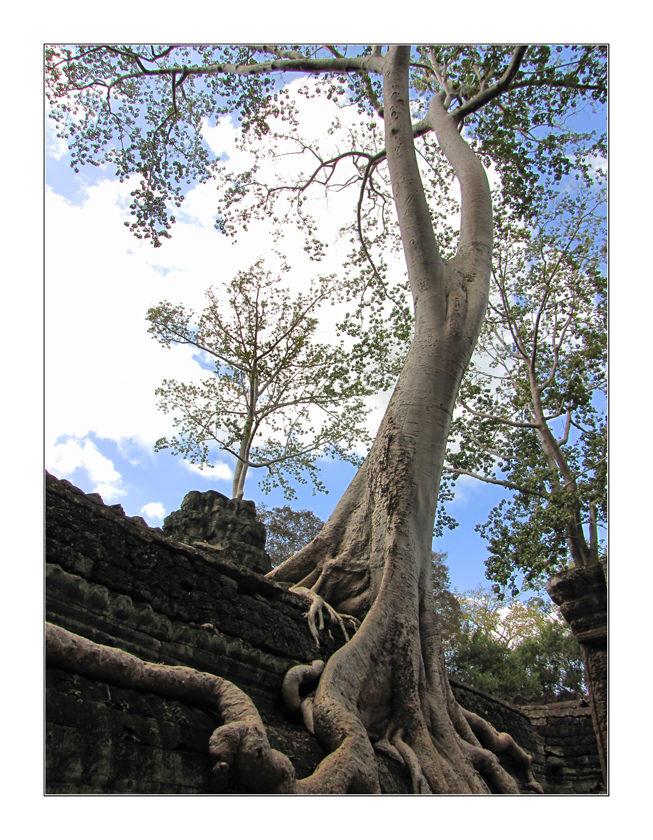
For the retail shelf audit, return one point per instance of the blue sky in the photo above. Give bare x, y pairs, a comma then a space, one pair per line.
631, 305
102, 367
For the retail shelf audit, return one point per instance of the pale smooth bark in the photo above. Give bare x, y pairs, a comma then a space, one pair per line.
372, 559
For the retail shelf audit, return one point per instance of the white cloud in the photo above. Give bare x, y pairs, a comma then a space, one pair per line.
465, 486
220, 471
63, 459
55, 146
110, 492
102, 365
154, 510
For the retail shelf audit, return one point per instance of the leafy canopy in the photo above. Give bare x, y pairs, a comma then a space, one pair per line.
271, 396
511, 648
287, 530
143, 110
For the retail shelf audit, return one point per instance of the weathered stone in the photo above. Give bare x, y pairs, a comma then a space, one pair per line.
114, 581
227, 525
572, 760
581, 594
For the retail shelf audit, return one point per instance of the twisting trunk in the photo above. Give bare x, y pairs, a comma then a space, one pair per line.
372, 559
242, 463
387, 688
249, 432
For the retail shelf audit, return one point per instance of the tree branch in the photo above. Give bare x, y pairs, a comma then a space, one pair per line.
503, 420
484, 96
489, 480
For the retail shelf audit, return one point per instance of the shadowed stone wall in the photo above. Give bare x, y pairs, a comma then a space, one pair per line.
115, 581
558, 735
582, 595
572, 762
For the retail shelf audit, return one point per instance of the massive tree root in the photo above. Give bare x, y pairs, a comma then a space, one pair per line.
387, 689
290, 690
371, 701
241, 741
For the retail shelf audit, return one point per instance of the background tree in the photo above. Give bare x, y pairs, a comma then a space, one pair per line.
555, 659
386, 689
287, 530
532, 406
510, 647
266, 378
447, 605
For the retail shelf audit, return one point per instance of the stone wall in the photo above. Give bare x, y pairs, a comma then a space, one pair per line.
582, 595
506, 717
115, 581
558, 735
572, 762
228, 526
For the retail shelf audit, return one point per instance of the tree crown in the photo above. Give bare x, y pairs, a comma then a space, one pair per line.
266, 380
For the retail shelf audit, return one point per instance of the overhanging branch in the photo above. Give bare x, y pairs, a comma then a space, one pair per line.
503, 420
508, 484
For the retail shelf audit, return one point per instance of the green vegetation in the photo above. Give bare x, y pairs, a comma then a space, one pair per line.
272, 397
287, 530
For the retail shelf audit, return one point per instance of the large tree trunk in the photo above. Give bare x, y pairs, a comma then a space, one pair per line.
372, 560
387, 688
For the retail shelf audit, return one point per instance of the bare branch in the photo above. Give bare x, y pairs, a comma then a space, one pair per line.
565, 437
508, 484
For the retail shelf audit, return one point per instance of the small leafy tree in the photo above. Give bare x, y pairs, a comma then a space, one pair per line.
447, 605
287, 530
508, 621
481, 661
553, 658
272, 397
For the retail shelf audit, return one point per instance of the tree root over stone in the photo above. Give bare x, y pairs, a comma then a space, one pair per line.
241, 741
495, 743
290, 690
315, 615
387, 688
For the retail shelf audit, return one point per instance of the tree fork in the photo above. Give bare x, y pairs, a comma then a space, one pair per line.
388, 684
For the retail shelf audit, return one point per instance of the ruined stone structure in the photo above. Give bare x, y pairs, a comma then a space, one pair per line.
571, 756
154, 594
226, 525
582, 595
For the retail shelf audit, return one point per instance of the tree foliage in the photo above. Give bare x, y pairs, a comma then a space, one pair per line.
142, 109
532, 407
447, 605
511, 648
266, 378
287, 530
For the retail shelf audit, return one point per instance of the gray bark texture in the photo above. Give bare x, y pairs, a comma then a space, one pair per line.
388, 687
